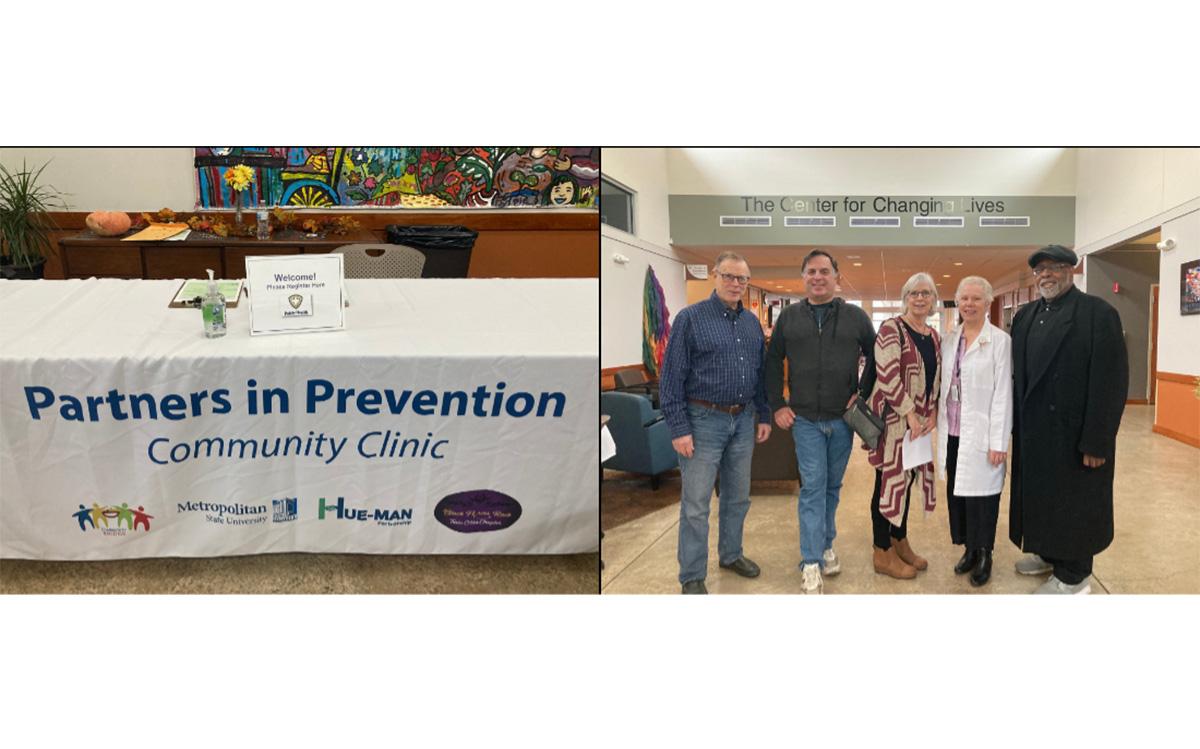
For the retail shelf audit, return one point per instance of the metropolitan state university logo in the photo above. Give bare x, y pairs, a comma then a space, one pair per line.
112, 520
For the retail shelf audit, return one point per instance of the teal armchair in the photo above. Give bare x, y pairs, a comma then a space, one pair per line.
642, 437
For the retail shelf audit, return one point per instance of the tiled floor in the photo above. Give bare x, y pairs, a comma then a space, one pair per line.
1156, 548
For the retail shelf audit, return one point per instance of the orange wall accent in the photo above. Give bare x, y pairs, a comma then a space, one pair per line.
1177, 414
536, 254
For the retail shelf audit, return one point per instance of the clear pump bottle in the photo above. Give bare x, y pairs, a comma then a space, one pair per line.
213, 308
263, 217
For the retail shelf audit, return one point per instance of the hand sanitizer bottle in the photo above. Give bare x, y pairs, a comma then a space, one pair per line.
213, 308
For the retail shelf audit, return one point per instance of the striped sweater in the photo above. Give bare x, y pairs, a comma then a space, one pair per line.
900, 388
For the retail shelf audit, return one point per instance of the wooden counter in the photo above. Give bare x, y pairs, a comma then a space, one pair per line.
85, 255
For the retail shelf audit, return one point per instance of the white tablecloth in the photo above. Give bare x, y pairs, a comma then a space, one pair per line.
466, 423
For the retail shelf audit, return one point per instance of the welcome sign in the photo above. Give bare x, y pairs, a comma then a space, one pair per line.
295, 293
152, 441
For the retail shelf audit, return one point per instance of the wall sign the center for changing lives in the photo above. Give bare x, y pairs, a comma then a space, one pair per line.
404, 176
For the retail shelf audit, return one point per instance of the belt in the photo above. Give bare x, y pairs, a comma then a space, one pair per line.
733, 410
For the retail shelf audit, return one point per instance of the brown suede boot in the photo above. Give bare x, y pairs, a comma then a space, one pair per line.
905, 552
888, 563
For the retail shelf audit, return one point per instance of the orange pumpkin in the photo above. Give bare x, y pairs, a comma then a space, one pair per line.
108, 223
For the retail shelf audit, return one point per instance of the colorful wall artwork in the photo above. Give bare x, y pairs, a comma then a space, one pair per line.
404, 177
1189, 288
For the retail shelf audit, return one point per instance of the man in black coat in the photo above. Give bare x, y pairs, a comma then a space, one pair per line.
1071, 379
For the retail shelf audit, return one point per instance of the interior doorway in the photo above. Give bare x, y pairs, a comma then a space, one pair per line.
1153, 389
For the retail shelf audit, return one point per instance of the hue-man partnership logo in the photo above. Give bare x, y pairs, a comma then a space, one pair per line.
342, 511
99, 516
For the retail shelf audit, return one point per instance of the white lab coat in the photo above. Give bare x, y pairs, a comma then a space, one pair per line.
987, 409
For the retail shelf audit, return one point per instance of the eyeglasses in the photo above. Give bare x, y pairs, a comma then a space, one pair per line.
730, 278
1042, 270
921, 293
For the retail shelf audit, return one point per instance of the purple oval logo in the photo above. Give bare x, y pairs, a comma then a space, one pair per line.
477, 511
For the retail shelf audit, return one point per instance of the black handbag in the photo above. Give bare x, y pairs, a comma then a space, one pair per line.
864, 422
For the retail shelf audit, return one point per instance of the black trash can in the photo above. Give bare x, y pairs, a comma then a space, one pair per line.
447, 248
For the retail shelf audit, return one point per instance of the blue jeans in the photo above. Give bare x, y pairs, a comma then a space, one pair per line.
725, 443
822, 452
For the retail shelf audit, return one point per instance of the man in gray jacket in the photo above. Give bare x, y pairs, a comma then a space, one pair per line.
822, 339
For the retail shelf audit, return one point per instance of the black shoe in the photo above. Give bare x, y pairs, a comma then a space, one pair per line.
967, 562
982, 571
742, 566
694, 587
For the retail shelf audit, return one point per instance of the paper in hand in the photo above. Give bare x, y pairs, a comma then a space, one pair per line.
916, 452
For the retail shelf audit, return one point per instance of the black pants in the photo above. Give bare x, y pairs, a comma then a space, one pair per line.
1071, 571
972, 519
882, 530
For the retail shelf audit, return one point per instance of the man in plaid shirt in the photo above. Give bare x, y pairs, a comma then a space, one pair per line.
713, 399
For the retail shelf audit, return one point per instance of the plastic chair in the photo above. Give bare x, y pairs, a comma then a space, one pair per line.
381, 261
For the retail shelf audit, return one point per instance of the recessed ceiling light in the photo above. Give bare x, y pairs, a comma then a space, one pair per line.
945, 275
958, 263
854, 257
858, 265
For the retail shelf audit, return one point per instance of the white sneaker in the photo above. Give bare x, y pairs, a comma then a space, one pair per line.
1054, 586
1032, 564
812, 578
832, 565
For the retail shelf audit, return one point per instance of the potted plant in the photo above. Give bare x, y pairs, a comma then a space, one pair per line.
25, 221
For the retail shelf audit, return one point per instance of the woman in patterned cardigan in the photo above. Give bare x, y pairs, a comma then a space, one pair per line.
908, 365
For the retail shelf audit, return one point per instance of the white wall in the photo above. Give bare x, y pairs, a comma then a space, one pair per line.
621, 293
643, 170
1178, 334
1123, 192
870, 171
114, 179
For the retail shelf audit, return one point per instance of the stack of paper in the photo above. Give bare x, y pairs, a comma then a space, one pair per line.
158, 232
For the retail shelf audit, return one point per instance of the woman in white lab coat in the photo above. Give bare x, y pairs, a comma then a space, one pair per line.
974, 426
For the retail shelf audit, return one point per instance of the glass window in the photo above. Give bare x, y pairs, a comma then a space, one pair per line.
616, 205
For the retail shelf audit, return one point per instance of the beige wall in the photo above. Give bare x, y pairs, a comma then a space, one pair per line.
643, 170
1121, 190
870, 171
114, 179
621, 289
1178, 334
1125, 192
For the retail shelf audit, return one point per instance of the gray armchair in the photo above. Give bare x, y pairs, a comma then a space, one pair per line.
643, 438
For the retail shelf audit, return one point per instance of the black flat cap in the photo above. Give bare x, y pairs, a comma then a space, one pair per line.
1053, 252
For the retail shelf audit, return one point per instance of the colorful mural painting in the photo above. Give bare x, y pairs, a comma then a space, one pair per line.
404, 177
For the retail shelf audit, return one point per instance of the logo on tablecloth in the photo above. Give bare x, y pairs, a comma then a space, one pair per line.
219, 513
477, 511
380, 516
285, 509
113, 520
